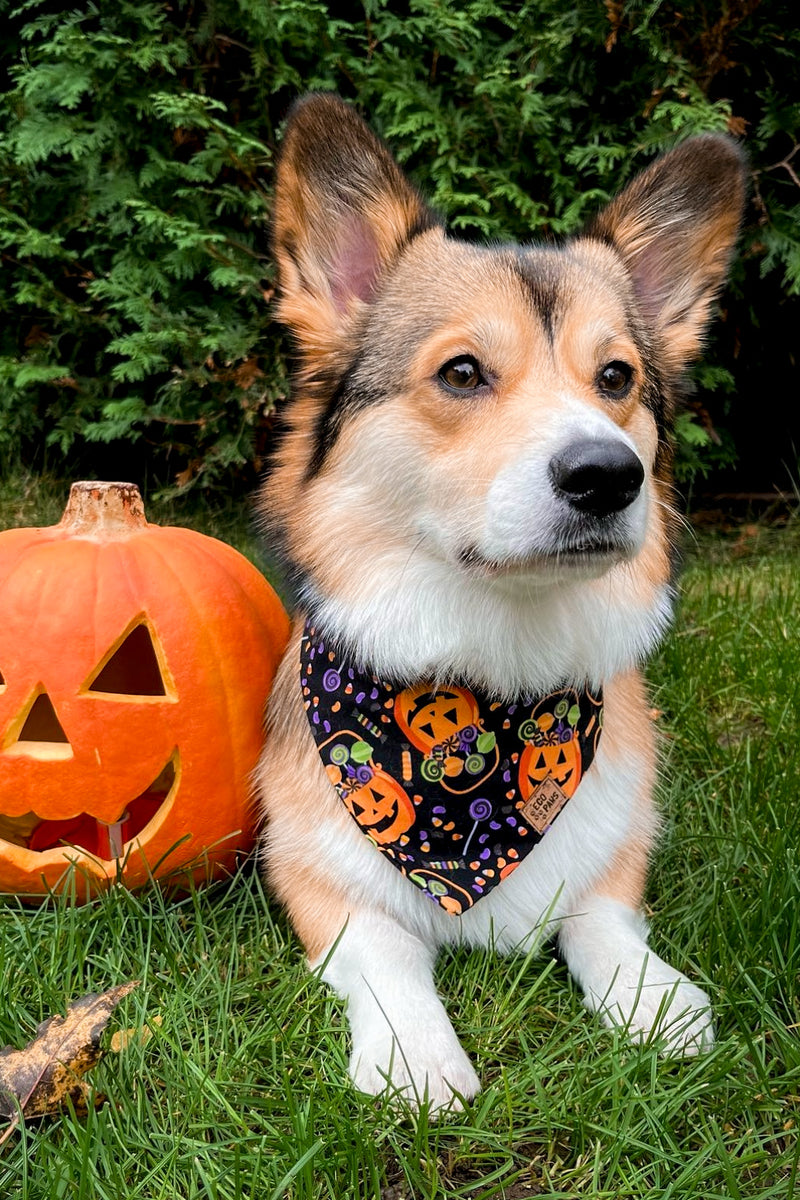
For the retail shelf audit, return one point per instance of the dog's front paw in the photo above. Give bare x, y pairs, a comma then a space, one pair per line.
440, 1074
651, 1000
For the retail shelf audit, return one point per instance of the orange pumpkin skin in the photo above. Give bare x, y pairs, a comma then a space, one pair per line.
83, 750
560, 761
381, 807
430, 719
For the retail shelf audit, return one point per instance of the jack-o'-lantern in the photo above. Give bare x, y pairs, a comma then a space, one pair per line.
135, 661
552, 750
559, 761
431, 719
377, 801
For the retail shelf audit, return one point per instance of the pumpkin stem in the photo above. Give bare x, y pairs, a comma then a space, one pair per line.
103, 510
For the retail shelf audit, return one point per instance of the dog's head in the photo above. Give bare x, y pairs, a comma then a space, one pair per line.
485, 420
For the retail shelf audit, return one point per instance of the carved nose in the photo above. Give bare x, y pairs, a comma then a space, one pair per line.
598, 477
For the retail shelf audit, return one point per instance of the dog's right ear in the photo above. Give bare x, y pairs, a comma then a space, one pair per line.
343, 210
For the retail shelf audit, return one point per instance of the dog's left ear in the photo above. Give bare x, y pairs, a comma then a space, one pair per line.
343, 211
675, 226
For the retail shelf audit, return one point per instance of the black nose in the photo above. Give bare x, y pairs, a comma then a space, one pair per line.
598, 477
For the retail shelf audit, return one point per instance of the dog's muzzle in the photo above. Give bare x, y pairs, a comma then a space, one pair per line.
598, 477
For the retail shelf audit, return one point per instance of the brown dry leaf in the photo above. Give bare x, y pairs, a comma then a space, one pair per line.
47, 1072
135, 1035
184, 478
247, 373
615, 11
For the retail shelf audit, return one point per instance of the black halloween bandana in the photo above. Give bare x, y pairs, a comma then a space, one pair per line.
453, 788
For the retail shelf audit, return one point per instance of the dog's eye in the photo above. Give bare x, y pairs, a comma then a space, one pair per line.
615, 378
461, 374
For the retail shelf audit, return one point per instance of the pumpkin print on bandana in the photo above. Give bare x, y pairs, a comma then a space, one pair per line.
453, 788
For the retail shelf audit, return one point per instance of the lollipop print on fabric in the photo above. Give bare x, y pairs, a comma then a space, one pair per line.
451, 787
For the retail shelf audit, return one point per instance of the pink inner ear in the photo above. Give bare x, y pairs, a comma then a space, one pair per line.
652, 278
665, 273
355, 262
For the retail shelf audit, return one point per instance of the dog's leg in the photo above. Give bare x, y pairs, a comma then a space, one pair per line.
606, 950
401, 1033
317, 865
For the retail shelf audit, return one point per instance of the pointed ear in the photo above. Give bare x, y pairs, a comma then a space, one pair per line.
675, 226
343, 210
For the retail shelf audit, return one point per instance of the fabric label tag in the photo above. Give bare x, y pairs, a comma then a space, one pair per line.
544, 805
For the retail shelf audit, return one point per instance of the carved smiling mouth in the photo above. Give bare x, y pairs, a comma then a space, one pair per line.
87, 833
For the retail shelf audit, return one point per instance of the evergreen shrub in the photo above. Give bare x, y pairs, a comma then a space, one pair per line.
137, 140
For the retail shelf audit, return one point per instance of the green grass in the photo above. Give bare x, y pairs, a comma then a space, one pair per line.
242, 1091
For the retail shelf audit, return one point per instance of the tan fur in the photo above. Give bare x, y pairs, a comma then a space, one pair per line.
309, 271
391, 494
317, 912
491, 318
625, 878
680, 263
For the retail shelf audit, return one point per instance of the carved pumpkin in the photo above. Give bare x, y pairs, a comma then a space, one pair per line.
552, 750
378, 802
134, 665
551, 759
431, 719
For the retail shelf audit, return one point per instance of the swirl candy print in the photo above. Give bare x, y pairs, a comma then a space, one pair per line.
453, 788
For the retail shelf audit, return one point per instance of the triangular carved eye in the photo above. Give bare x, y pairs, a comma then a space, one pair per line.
41, 723
41, 734
133, 667
2, 681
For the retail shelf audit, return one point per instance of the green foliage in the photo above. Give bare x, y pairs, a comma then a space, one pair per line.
136, 150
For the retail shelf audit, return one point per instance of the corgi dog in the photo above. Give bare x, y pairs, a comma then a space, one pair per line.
473, 501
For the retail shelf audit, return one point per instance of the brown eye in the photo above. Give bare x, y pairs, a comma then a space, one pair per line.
615, 378
462, 374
